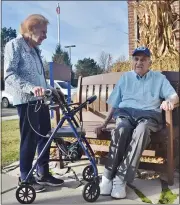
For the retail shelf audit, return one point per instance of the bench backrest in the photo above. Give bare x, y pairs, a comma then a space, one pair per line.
103, 84
99, 85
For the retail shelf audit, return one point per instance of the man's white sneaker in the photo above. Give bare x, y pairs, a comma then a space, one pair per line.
105, 186
119, 188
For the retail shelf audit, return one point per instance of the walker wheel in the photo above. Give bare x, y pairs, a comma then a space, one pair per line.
25, 194
88, 173
91, 192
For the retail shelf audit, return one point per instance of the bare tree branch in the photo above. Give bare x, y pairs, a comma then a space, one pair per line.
105, 61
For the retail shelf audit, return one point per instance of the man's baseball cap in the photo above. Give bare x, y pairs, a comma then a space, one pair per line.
142, 49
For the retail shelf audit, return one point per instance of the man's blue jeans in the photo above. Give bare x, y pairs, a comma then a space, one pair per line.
30, 141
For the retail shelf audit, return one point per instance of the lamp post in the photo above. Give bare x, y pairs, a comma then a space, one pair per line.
69, 84
58, 22
71, 46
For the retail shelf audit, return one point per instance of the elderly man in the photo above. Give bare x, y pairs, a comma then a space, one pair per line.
136, 103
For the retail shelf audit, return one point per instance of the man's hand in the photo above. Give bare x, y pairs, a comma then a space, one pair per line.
99, 129
102, 127
167, 105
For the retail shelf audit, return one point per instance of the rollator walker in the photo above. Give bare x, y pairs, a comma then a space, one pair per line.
25, 193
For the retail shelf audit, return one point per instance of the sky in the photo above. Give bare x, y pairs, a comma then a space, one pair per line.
93, 26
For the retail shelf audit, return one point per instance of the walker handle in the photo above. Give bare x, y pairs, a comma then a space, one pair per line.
47, 93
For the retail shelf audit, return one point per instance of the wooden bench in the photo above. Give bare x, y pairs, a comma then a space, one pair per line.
163, 143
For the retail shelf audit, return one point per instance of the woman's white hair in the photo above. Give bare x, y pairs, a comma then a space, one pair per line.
31, 22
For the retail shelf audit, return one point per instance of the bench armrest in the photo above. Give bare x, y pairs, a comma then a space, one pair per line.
170, 134
168, 114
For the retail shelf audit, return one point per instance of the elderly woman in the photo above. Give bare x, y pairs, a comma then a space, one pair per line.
24, 73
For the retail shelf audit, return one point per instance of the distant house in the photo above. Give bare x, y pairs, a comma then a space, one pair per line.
133, 27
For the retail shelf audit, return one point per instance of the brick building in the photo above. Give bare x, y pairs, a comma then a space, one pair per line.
133, 26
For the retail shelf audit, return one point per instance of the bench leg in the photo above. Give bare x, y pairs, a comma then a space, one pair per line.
60, 163
170, 164
170, 148
170, 179
170, 175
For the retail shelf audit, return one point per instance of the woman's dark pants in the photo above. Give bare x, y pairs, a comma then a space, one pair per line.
30, 141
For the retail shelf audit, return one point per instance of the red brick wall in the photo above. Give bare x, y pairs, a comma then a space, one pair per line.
132, 26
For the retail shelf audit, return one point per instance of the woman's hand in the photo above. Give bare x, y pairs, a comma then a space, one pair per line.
38, 91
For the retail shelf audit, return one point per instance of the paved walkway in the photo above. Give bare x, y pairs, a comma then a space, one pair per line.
68, 194
71, 191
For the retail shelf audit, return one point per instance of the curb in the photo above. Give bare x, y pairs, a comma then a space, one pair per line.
3, 192
14, 117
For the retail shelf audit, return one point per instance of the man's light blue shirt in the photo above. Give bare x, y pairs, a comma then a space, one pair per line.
145, 93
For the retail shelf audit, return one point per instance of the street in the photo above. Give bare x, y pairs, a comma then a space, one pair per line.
8, 112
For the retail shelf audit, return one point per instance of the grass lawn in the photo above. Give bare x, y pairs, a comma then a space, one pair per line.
9, 142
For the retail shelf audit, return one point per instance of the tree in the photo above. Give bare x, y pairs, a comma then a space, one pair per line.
121, 65
105, 61
61, 57
46, 68
87, 67
6, 35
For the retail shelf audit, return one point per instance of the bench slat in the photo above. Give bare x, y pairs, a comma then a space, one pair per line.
110, 89
84, 93
143, 165
103, 98
97, 93
105, 148
89, 94
102, 79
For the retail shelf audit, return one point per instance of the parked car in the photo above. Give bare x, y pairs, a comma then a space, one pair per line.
6, 99
58, 84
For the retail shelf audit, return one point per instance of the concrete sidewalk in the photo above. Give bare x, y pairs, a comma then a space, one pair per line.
71, 192
68, 194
